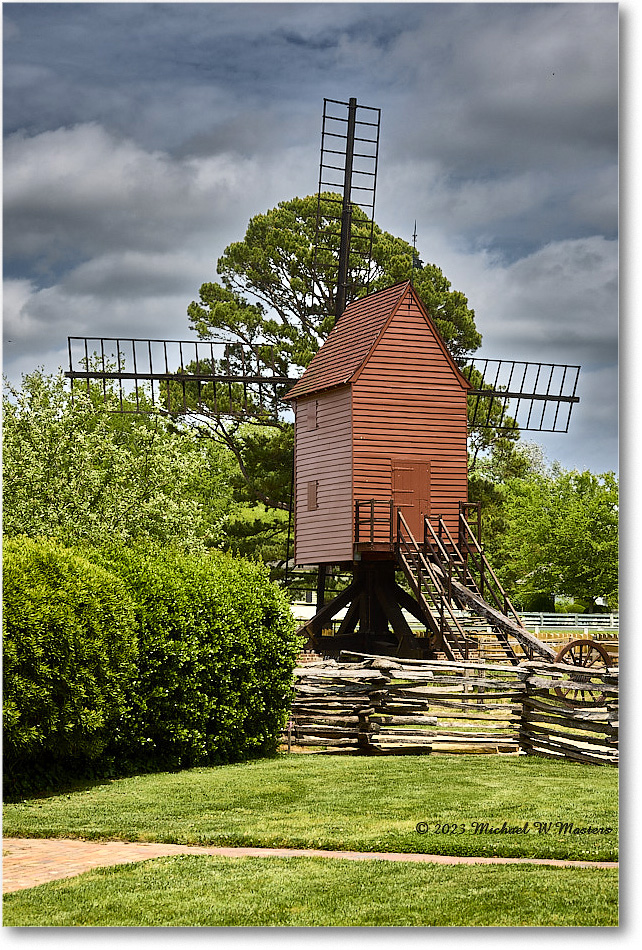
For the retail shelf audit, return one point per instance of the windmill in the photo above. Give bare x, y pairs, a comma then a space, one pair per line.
380, 430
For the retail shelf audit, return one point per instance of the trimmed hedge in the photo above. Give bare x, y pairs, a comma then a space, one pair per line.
69, 652
137, 659
216, 654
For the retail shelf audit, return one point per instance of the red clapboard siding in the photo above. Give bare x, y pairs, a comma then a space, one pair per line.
408, 402
390, 424
323, 455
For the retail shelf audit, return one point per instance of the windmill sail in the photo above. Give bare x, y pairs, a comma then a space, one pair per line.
240, 381
179, 376
236, 380
347, 180
509, 395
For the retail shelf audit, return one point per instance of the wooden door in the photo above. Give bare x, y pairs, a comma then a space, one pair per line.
411, 492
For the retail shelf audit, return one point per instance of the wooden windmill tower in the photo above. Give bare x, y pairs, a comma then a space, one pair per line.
382, 485
380, 428
381, 480
380, 433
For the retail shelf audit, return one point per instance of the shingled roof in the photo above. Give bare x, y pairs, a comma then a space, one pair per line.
350, 341
353, 338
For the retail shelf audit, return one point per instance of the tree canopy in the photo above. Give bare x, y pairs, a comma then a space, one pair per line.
556, 533
293, 302
79, 473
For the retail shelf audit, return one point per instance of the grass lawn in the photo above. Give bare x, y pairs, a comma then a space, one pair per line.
194, 891
351, 803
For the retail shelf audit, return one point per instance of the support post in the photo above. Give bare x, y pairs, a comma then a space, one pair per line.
321, 575
374, 621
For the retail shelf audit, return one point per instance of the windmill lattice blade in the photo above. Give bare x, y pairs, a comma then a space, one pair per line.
180, 376
347, 181
510, 395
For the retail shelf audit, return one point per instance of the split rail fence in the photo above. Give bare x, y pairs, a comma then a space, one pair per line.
372, 705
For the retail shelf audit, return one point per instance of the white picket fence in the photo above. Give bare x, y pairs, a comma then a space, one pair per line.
574, 621
303, 611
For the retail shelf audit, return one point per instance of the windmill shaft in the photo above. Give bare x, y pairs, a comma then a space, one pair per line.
179, 377
503, 394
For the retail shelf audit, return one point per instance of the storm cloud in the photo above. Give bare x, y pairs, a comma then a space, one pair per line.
140, 138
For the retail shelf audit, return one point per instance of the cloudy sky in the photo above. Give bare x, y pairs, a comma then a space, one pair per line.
141, 137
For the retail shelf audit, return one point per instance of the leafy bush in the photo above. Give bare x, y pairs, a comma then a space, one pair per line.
143, 658
573, 608
69, 651
543, 602
78, 472
216, 654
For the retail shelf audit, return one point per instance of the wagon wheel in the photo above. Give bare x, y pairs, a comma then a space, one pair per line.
585, 654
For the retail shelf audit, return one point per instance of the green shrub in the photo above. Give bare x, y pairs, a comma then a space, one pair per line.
127, 659
217, 650
69, 651
572, 608
543, 602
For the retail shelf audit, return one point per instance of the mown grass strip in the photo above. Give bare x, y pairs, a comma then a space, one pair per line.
192, 891
468, 805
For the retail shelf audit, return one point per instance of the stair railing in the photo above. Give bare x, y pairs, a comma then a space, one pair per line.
488, 582
429, 588
448, 561
370, 514
460, 563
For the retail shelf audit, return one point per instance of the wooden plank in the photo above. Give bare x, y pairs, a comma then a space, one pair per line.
471, 698
434, 665
384, 719
539, 665
300, 721
491, 748
472, 717
337, 742
570, 721
490, 744
326, 732
402, 733
349, 622
449, 735
334, 692
403, 738
466, 682
479, 606
538, 683
397, 749
395, 616
323, 616
549, 702
341, 676
532, 730
558, 750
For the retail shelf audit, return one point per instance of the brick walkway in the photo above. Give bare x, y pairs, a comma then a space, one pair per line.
28, 862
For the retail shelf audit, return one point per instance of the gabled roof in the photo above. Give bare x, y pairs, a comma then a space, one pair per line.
349, 342
353, 338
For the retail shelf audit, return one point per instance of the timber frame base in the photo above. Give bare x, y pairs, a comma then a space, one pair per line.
374, 620
443, 575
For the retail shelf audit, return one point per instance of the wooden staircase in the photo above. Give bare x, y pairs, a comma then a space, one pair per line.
444, 575
427, 586
443, 579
